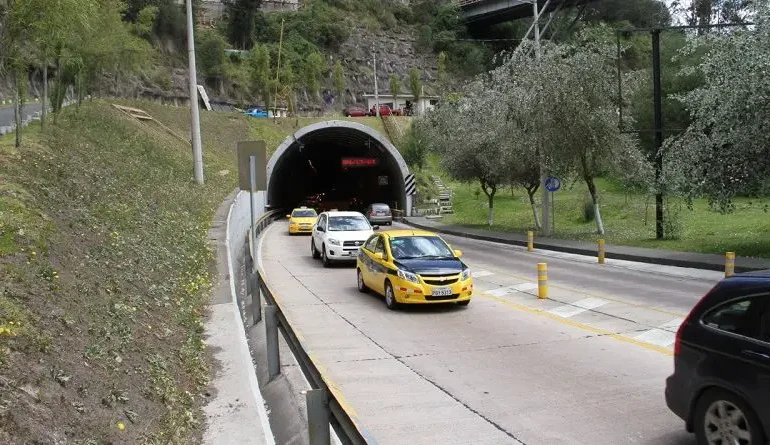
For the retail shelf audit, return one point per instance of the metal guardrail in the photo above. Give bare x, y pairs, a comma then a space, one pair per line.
468, 2
323, 407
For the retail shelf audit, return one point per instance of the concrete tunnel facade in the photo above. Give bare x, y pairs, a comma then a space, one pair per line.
342, 161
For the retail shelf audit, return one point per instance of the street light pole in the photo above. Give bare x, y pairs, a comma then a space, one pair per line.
194, 113
546, 199
376, 91
658, 129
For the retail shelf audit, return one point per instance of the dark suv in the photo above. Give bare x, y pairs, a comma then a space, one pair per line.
721, 380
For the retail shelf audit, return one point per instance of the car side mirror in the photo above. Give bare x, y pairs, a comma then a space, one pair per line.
375, 227
458, 253
320, 229
379, 255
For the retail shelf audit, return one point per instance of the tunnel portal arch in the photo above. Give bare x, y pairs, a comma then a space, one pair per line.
324, 144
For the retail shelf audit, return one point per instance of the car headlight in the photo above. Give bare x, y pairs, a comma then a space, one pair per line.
466, 274
334, 242
408, 276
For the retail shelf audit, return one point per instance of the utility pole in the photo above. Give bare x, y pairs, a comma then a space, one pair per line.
194, 113
546, 199
658, 128
376, 91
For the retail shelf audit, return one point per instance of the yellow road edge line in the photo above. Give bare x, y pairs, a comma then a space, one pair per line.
579, 325
589, 294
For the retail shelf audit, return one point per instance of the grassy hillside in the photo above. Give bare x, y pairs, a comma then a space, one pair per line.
105, 274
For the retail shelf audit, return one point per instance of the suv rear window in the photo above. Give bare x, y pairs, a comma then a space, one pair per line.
741, 317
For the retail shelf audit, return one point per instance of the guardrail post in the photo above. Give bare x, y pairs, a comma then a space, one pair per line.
255, 281
271, 334
542, 280
601, 251
729, 264
318, 417
530, 241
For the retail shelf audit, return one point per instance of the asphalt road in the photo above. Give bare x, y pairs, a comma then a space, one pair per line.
6, 114
586, 366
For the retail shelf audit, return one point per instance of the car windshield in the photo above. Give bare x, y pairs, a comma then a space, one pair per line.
348, 223
410, 247
309, 213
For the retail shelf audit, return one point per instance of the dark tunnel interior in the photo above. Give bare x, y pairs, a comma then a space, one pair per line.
336, 168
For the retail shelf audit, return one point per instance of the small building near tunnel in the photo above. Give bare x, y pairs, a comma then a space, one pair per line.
337, 164
403, 101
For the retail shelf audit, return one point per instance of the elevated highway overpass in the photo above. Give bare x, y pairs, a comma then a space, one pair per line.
489, 12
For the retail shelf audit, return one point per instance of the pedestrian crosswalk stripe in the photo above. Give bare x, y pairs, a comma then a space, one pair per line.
482, 273
578, 307
521, 287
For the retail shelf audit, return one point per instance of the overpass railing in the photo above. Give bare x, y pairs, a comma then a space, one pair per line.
468, 2
323, 404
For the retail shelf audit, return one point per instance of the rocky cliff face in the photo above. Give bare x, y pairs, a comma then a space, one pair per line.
396, 51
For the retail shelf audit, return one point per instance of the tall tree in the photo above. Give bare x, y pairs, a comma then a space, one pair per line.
441, 68
726, 150
415, 84
259, 72
241, 17
395, 87
315, 66
339, 81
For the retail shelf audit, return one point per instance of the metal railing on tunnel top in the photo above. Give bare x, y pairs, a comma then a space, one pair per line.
323, 404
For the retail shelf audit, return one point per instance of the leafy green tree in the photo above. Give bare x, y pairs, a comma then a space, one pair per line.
638, 13
210, 53
339, 81
725, 152
315, 66
241, 17
145, 21
259, 72
441, 68
395, 87
415, 84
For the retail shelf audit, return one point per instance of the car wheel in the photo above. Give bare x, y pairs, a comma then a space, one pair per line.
464, 303
324, 258
360, 278
390, 297
724, 418
313, 251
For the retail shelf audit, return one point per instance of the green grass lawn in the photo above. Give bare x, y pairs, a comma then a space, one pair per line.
629, 219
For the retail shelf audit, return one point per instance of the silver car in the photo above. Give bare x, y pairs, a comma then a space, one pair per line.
379, 214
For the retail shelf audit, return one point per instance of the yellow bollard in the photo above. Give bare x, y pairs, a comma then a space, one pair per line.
601, 251
542, 280
729, 264
530, 241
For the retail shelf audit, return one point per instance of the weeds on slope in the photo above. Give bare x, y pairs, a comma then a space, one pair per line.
105, 272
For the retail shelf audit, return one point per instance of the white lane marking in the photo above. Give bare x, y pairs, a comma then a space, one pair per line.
482, 273
657, 337
521, 287
672, 325
578, 307
663, 335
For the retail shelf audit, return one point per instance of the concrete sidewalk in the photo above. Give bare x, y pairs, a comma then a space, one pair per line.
638, 254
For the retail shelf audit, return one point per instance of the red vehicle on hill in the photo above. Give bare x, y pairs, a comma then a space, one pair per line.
355, 112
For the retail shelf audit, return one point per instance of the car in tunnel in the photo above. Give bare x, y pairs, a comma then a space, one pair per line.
301, 220
380, 214
338, 235
413, 267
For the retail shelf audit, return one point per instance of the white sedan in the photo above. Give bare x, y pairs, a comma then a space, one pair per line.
337, 236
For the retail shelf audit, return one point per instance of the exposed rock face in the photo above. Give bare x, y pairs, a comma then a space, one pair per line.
396, 51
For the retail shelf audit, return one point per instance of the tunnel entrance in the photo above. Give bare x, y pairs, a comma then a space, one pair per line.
336, 165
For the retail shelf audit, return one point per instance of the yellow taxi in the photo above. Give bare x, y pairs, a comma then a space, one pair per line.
301, 220
413, 267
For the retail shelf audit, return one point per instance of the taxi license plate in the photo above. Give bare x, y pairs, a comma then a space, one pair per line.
442, 291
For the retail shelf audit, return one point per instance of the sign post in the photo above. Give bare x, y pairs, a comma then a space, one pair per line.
552, 184
252, 171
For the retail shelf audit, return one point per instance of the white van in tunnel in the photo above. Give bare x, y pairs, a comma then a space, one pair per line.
337, 236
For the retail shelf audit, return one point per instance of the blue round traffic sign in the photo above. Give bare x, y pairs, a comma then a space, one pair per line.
552, 183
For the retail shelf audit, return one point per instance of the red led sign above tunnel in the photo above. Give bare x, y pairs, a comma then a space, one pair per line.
359, 162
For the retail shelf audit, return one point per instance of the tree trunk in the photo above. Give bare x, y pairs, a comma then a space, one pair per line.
57, 102
490, 190
595, 199
43, 100
531, 192
17, 107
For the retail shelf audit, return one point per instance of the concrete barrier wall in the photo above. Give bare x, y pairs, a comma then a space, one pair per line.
239, 223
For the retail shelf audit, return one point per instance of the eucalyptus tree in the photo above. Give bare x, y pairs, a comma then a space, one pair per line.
726, 149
